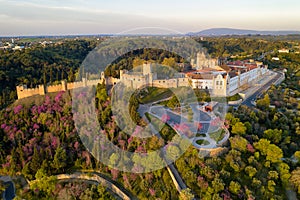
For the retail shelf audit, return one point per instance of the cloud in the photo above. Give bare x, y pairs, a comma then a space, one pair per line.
27, 18
94, 16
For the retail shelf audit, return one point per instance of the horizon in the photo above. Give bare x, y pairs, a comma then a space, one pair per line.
152, 34
78, 17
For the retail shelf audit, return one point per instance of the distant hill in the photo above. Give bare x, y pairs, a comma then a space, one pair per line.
231, 31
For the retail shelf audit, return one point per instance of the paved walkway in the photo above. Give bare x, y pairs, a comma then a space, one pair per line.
93, 176
176, 178
159, 111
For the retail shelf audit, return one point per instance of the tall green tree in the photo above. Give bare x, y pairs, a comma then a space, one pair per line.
60, 159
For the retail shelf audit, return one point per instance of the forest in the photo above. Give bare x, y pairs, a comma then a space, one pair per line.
40, 65
38, 139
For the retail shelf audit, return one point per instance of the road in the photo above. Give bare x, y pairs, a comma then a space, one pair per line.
9, 193
260, 91
96, 177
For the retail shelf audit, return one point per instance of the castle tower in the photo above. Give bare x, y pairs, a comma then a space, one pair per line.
63, 86
201, 60
193, 64
121, 74
42, 90
20, 90
84, 82
198, 62
147, 68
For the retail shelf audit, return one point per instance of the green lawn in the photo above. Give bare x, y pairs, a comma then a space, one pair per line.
217, 135
156, 94
202, 142
166, 131
234, 97
200, 135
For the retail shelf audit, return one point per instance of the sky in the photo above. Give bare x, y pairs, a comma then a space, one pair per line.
61, 17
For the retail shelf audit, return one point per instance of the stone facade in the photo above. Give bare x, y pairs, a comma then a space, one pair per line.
23, 91
220, 81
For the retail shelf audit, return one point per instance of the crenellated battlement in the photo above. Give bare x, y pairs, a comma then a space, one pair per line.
23, 91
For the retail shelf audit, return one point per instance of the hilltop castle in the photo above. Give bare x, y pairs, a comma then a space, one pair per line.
224, 80
219, 80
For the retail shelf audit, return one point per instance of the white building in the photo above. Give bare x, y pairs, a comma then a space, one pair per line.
283, 51
220, 81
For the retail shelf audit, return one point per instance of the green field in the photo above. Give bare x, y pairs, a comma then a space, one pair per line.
202, 142
166, 131
155, 94
217, 135
200, 135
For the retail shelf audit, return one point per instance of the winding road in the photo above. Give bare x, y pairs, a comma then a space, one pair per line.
9, 193
260, 91
98, 178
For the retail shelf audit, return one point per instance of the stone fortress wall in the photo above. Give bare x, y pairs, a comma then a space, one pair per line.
207, 75
23, 91
133, 80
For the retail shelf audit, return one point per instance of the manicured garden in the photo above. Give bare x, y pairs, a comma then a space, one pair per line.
217, 135
202, 142
153, 94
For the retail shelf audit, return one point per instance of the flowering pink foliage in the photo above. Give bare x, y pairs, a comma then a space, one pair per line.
165, 118
149, 177
198, 125
58, 97
47, 100
202, 183
107, 103
6, 165
114, 173
137, 130
76, 145
36, 126
250, 148
226, 196
181, 127
47, 124
3, 126
217, 122
17, 109
126, 181
87, 157
122, 143
130, 140
133, 176
55, 142
141, 149
137, 168
152, 191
